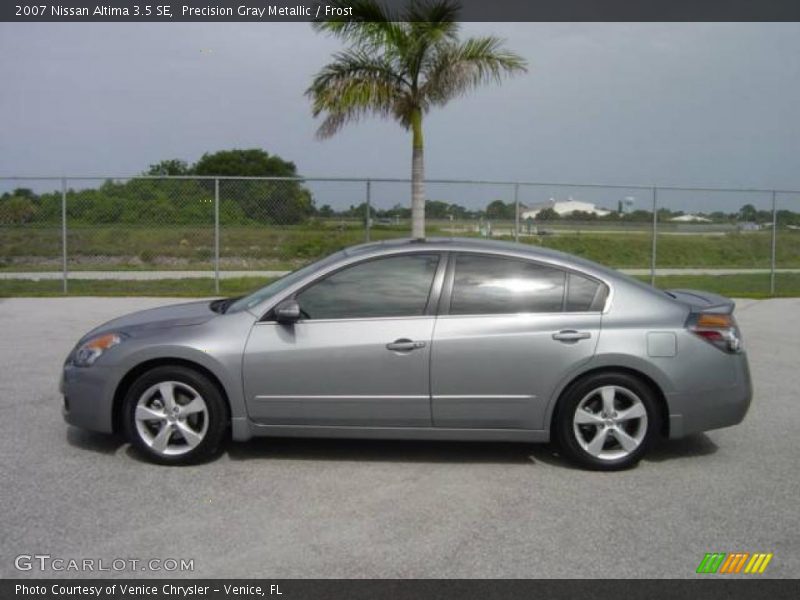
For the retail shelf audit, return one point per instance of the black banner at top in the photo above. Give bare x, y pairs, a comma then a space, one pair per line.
472, 10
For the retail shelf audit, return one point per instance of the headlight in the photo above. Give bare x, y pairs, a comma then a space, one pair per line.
91, 350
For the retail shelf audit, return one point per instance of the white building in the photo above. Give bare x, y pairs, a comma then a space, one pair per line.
563, 208
690, 219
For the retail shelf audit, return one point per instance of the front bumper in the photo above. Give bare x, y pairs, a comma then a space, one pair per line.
89, 397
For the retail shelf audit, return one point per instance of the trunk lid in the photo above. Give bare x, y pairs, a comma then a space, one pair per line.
703, 302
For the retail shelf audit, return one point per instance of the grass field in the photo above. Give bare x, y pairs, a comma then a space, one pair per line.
737, 286
272, 248
189, 288
162, 248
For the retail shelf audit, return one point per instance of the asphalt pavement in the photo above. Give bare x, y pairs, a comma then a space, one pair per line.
343, 508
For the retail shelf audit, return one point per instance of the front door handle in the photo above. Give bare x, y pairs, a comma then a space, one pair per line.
570, 335
404, 345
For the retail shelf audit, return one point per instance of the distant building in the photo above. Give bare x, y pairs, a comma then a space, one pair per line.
748, 226
690, 219
563, 208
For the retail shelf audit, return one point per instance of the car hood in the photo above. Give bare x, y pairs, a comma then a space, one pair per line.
163, 317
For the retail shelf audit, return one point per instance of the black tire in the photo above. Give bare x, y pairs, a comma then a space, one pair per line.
217, 415
564, 425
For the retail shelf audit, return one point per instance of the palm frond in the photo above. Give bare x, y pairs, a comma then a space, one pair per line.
370, 23
433, 20
353, 85
454, 69
429, 23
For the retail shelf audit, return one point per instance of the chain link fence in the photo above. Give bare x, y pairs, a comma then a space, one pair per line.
60, 231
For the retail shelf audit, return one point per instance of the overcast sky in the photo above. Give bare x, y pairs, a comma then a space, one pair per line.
686, 104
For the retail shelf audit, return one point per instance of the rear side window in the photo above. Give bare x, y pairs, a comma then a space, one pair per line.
584, 294
491, 285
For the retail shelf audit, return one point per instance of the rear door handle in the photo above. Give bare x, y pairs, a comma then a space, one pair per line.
404, 345
570, 335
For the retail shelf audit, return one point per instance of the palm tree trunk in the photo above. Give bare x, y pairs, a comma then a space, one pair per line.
417, 177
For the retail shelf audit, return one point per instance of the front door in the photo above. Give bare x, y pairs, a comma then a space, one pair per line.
359, 356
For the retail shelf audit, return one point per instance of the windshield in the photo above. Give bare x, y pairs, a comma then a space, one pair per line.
280, 284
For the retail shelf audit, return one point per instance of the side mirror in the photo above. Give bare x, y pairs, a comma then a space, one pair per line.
287, 312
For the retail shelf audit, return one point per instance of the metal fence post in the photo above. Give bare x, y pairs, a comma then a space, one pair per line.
368, 210
64, 232
216, 235
774, 243
516, 212
655, 237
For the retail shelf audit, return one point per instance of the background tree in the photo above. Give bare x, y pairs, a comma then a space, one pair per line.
24, 193
171, 166
581, 215
253, 162
177, 201
748, 213
638, 216
400, 66
787, 217
498, 209
16, 210
282, 202
398, 211
436, 209
720, 217
326, 211
547, 214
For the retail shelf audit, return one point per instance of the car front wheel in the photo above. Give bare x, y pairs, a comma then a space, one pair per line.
175, 415
607, 421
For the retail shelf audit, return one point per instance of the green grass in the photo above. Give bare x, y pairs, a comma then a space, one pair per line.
189, 288
746, 250
787, 285
182, 247
177, 248
737, 286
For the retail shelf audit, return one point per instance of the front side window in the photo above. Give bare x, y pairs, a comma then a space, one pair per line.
397, 286
492, 285
268, 291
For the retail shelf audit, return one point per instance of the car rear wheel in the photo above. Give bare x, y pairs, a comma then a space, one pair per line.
175, 415
607, 421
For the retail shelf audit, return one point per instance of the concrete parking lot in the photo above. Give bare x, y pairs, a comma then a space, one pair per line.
314, 508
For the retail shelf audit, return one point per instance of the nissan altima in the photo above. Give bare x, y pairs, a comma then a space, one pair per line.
440, 339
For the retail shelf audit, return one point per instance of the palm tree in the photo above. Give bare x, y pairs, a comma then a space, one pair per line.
400, 66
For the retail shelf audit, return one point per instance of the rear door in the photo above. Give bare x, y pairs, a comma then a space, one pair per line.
509, 331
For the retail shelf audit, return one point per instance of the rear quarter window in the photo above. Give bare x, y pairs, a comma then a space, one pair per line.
585, 294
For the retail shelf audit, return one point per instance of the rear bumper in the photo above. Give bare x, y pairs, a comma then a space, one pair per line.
89, 397
713, 408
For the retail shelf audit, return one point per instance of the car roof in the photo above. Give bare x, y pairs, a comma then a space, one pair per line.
454, 244
477, 245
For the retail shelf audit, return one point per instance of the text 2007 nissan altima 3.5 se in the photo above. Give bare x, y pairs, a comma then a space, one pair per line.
420, 339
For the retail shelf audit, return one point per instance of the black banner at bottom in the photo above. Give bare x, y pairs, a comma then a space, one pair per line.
369, 589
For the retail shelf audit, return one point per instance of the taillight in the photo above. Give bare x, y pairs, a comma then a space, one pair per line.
719, 330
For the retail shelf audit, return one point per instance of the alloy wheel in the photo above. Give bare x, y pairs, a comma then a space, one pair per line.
610, 422
171, 418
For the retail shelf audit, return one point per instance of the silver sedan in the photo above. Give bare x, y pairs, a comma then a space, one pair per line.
436, 339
